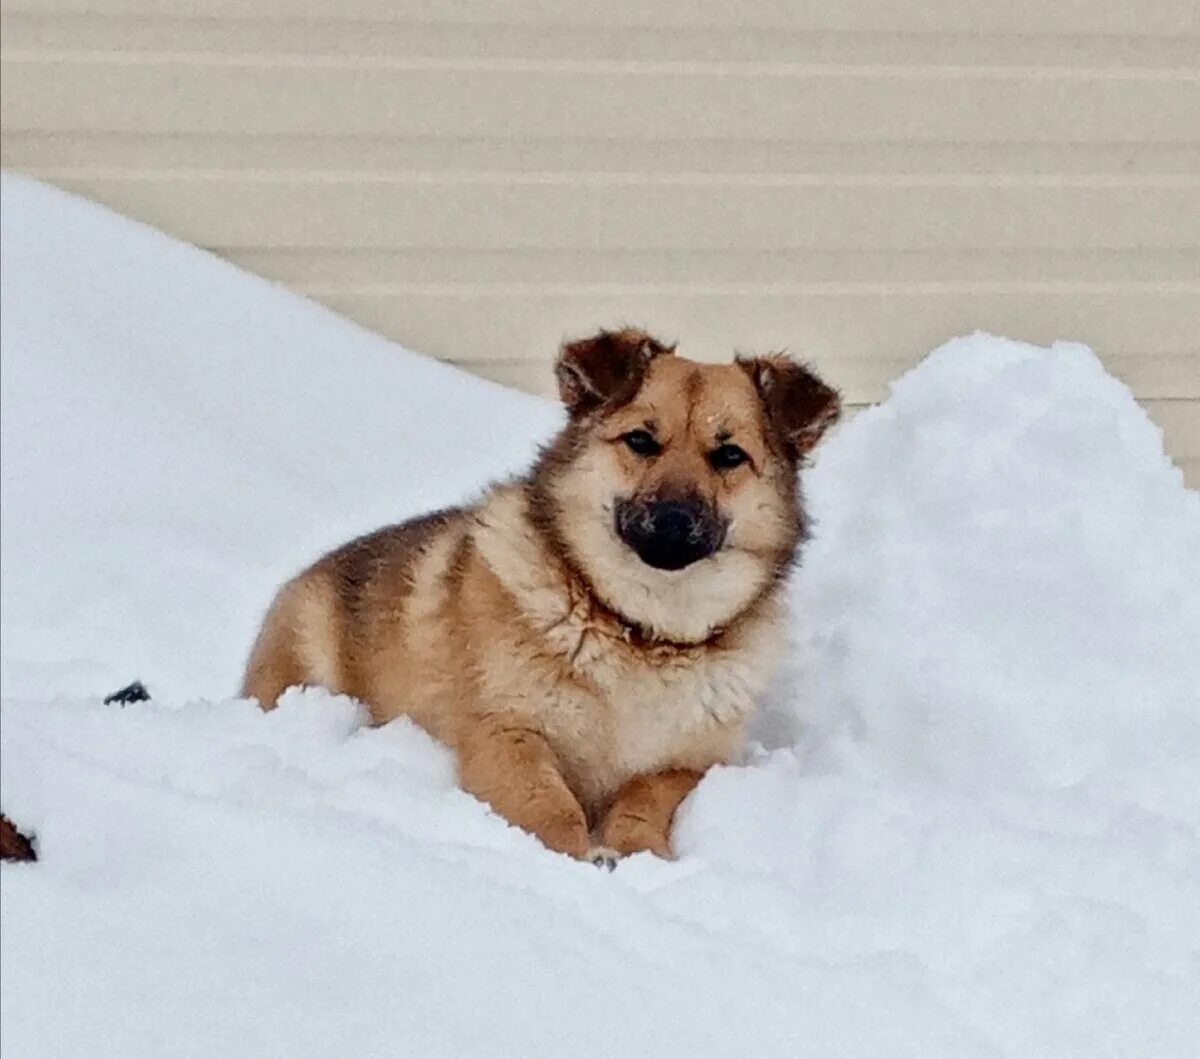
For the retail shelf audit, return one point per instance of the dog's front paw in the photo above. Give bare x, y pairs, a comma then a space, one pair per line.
627, 834
603, 857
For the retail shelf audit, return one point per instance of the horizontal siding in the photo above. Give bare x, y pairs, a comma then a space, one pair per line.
227, 210
72, 151
1170, 18
307, 95
865, 337
723, 266
853, 182
793, 44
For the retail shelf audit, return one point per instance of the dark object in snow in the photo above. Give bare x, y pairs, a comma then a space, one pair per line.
13, 844
604, 859
135, 692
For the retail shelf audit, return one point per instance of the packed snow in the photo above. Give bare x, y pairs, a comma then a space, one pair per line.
970, 825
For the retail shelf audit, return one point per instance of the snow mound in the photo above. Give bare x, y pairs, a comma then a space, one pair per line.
977, 832
1004, 588
179, 436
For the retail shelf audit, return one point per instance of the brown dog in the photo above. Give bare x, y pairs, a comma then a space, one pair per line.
591, 638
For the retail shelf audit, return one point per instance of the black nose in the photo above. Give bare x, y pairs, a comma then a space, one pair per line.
676, 523
669, 534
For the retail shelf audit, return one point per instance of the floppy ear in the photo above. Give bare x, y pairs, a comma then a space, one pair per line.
798, 405
606, 367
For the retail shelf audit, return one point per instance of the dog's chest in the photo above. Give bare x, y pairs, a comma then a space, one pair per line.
669, 707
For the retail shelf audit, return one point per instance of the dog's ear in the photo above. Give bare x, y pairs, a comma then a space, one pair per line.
799, 407
607, 367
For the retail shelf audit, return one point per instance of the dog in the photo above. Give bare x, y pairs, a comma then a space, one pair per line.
590, 638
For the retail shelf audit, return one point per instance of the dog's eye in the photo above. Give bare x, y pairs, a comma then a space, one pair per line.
642, 442
726, 457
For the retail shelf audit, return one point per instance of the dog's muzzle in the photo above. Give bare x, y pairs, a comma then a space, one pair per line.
669, 534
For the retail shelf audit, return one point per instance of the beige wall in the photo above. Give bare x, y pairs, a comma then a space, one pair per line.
855, 181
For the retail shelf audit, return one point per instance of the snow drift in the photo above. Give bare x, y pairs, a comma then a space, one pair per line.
974, 830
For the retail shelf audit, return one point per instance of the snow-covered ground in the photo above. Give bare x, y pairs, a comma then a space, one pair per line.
973, 828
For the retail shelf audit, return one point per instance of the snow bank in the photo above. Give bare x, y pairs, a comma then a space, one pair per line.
1004, 590
177, 436
977, 832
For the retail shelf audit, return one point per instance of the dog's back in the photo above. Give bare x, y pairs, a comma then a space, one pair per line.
380, 593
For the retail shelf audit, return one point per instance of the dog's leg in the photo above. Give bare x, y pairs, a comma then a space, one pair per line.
641, 814
298, 645
274, 664
514, 769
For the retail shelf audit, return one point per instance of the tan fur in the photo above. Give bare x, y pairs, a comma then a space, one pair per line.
641, 814
583, 691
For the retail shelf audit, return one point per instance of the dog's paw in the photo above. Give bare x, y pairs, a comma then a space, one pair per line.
603, 857
624, 835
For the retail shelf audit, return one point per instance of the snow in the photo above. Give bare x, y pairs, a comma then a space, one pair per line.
972, 827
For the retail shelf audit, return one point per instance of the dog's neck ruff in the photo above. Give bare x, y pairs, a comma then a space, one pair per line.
547, 581
556, 547
601, 613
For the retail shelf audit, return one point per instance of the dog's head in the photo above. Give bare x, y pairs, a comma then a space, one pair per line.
672, 489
